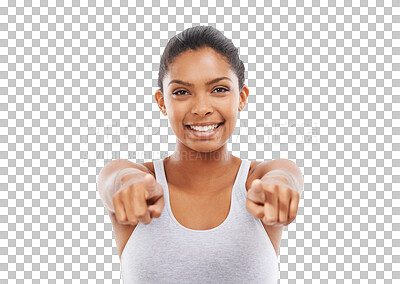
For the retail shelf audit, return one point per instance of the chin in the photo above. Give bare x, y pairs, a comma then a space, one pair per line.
205, 148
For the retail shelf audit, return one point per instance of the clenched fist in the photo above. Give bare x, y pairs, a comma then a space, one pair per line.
272, 201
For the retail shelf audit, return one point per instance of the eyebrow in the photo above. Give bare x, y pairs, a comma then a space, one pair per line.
207, 83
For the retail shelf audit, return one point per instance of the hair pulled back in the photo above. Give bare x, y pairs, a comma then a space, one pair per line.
198, 37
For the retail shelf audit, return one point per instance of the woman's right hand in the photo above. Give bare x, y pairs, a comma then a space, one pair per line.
140, 199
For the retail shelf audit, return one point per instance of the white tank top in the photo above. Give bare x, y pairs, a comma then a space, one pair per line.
237, 251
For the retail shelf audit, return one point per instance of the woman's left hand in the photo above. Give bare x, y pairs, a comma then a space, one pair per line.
270, 200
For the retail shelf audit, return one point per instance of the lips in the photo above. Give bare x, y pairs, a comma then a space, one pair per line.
205, 124
205, 134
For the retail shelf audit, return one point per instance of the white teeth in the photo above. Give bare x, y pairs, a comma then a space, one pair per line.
204, 128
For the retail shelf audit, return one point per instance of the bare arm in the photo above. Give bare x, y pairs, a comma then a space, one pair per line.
108, 187
108, 180
283, 172
283, 169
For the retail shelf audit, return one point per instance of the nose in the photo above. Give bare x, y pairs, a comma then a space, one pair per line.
202, 105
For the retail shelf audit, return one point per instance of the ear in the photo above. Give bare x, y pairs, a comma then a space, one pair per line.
160, 101
244, 93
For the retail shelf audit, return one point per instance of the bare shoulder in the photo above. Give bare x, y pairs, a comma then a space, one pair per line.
259, 168
253, 165
252, 173
274, 233
123, 232
150, 167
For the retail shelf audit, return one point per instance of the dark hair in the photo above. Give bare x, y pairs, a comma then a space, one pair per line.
197, 37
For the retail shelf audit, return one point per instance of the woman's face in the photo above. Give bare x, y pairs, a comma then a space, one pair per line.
201, 88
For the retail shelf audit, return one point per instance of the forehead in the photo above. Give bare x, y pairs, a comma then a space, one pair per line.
192, 65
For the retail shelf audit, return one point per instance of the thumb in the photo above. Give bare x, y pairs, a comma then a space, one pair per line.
152, 187
256, 192
149, 180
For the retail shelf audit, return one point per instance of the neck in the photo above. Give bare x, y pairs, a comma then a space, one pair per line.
200, 169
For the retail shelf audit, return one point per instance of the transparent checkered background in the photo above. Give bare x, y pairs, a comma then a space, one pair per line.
77, 83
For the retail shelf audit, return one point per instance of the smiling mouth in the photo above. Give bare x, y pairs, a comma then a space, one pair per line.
187, 126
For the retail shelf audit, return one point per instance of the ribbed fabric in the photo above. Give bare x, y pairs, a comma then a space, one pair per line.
237, 251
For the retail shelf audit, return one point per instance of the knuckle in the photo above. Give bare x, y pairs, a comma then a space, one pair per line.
140, 214
115, 197
137, 189
129, 176
125, 178
147, 221
125, 192
118, 206
283, 220
271, 188
156, 212
120, 219
133, 221
284, 194
286, 191
282, 178
269, 219
259, 214
248, 207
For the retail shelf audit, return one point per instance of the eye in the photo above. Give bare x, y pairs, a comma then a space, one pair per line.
176, 93
220, 88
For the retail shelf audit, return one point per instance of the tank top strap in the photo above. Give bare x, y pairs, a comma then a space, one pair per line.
244, 171
242, 178
159, 172
241, 243
240, 181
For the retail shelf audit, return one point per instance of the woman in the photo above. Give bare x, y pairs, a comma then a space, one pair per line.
223, 216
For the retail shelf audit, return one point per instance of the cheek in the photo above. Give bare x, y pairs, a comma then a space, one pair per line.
175, 119
233, 118
231, 126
